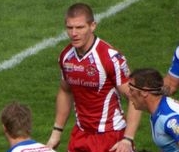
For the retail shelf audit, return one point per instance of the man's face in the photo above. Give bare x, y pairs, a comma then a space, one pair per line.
136, 96
80, 32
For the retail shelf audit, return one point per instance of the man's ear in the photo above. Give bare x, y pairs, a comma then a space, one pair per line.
4, 128
93, 26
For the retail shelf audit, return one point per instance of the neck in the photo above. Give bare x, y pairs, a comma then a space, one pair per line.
15, 141
83, 50
153, 102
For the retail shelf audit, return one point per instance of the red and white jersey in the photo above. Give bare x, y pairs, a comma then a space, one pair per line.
93, 79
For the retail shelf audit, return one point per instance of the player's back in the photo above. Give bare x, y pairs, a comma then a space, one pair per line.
30, 146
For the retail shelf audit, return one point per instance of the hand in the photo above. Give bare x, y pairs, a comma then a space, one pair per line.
122, 146
54, 140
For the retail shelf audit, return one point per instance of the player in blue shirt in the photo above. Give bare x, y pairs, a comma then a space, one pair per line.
172, 78
147, 92
16, 121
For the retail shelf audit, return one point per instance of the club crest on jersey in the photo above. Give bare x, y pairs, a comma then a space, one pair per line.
91, 70
173, 124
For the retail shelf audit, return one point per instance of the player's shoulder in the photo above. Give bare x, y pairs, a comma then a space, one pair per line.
173, 104
65, 50
108, 49
105, 45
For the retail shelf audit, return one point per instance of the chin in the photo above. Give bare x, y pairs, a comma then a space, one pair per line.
76, 45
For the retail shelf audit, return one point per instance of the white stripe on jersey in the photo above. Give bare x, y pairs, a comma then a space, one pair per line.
177, 52
118, 121
102, 124
77, 120
118, 73
69, 54
116, 63
99, 65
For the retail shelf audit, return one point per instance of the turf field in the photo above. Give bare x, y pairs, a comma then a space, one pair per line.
32, 36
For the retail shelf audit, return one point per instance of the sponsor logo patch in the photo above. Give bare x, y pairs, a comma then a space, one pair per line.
70, 67
173, 125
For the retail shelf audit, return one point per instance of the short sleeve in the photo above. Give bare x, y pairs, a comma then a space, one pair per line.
174, 68
172, 127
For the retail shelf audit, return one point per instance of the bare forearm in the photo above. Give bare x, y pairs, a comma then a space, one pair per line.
63, 108
171, 83
133, 120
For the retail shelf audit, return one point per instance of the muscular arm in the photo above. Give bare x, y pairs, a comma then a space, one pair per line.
133, 119
63, 104
63, 108
133, 116
171, 83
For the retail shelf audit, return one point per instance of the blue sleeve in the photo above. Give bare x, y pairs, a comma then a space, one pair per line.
174, 68
172, 127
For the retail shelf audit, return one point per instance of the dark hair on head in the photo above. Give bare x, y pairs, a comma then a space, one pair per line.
79, 9
149, 78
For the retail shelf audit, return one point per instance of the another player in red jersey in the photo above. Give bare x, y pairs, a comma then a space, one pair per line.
94, 76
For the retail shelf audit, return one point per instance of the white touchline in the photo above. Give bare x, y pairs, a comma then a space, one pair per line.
50, 42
